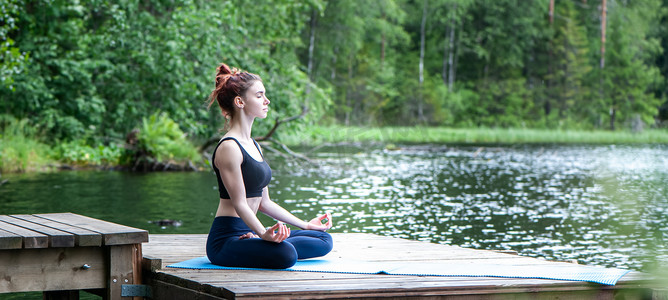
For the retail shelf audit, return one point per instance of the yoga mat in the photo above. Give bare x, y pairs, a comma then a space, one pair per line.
606, 276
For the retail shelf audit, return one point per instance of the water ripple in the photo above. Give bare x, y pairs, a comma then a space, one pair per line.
603, 205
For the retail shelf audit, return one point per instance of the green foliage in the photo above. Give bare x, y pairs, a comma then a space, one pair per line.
516, 68
19, 149
11, 58
161, 140
501, 101
629, 78
79, 153
74, 69
98, 61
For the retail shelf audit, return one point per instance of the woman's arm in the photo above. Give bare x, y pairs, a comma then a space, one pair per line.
277, 212
228, 160
270, 208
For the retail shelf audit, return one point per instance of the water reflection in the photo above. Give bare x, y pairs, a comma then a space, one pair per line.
602, 205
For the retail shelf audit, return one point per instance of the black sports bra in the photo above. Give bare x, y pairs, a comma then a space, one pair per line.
256, 174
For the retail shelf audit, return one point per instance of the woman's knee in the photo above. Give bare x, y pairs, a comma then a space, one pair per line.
283, 256
310, 243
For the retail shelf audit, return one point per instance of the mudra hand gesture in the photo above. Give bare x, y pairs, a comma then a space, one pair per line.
316, 223
276, 233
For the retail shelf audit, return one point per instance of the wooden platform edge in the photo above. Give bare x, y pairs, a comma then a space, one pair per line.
635, 285
172, 286
113, 234
150, 263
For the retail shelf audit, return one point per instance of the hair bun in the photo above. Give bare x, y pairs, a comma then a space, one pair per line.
224, 69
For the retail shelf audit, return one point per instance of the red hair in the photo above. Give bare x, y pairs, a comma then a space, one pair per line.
230, 83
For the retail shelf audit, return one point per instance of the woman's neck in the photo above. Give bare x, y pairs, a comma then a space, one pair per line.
241, 128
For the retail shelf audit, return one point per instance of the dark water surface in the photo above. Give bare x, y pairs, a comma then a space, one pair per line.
600, 205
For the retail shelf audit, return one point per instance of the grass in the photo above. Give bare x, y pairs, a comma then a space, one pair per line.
20, 151
334, 134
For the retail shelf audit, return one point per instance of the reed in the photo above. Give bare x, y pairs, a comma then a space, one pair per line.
335, 134
20, 151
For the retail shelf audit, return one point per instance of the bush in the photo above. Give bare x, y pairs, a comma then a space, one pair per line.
79, 153
160, 144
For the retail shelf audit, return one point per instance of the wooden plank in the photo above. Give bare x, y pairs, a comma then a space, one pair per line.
82, 237
52, 269
150, 263
137, 266
124, 268
388, 286
113, 234
56, 237
296, 285
436, 294
30, 239
366, 283
10, 240
163, 290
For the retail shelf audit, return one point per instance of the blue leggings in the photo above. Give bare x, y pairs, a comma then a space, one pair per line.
224, 248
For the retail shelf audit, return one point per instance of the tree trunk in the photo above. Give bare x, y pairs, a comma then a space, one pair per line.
311, 46
382, 43
451, 77
349, 88
421, 64
613, 114
453, 70
448, 49
422, 38
336, 52
446, 54
547, 108
604, 11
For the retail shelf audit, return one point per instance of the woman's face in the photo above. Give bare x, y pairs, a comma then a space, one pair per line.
256, 102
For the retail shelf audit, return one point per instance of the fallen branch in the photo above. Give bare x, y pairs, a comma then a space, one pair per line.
274, 150
292, 153
340, 144
279, 122
212, 141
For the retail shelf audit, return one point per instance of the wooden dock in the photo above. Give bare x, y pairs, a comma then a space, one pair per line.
60, 254
170, 283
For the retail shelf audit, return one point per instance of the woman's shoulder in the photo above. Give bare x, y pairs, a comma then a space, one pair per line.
228, 151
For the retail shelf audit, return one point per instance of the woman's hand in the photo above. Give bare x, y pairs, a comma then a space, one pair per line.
316, 223
276, 233
249, 235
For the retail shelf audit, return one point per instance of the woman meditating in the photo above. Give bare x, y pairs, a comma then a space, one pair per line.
237, 237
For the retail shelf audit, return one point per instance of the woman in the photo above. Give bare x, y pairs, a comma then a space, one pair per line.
237, 237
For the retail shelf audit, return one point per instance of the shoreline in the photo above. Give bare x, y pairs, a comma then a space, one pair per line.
315, 135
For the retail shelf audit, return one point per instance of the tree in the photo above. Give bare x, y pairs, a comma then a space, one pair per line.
96, 68
11, 58
570, 65
628, 78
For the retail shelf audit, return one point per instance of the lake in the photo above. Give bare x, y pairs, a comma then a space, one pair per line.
599, 205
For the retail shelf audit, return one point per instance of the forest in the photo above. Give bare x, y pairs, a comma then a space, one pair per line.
83, 75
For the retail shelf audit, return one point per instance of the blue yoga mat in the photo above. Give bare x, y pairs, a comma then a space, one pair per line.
606, 276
